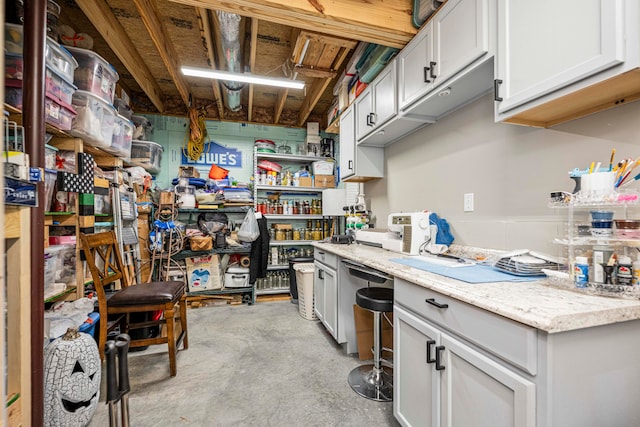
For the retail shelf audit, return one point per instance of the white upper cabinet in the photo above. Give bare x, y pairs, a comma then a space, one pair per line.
452, 41
357, 163
547, 44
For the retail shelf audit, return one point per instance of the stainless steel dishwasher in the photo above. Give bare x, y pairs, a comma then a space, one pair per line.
352, 276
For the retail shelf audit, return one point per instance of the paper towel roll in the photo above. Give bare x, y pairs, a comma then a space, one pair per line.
245, 261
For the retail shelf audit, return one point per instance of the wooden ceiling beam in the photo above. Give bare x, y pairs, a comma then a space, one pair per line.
151, 19
317, 89
100, 14
205, 30
317, 73
252, 63
385, 22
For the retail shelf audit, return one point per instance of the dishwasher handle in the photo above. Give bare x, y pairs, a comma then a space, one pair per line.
366, 273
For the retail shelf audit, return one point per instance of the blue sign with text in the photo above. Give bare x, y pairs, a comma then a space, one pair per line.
216, 154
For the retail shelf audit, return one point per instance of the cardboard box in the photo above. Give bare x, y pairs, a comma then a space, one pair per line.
188, 172
281, 226
204, 273
306, 181
324, 181
364, 333
313, 128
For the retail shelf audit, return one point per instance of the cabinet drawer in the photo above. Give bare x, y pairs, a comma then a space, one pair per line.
512, 341
327, 258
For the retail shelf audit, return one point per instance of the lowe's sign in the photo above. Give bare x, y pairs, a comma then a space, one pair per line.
216, 154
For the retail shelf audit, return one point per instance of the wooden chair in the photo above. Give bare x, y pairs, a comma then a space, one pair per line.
105, 262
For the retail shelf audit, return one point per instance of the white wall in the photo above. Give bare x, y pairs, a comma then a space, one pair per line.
510, 169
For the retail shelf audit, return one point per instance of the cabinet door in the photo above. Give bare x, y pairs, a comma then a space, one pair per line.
385, 104
477, 391
318, 292
461, 35
364, 109
546, 45
415, 381
413, 68
347, 143
331, 302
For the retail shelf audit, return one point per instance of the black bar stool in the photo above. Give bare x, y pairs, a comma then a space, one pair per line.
374, 381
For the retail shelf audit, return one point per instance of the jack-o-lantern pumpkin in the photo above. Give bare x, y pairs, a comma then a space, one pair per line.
72, 371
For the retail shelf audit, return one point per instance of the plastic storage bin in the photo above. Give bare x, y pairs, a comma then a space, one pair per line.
89, 325
94, 74
60, 264
50, 179
13, 38
122, 138
236, 277
53, 13
95, 119
147, 154
143, 128
58, 87
304, 278
60, 60
13, 93
58, 114
13, 66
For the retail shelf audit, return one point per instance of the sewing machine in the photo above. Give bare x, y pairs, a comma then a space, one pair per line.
408, 232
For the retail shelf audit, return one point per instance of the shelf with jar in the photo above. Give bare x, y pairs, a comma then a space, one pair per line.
602, 246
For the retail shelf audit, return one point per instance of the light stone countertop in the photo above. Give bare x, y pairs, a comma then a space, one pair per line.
542, 306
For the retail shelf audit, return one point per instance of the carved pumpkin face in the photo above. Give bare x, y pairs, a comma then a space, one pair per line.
72, 370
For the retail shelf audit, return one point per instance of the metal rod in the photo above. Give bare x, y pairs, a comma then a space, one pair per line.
35, 27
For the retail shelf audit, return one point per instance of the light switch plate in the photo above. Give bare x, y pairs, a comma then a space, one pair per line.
468, 202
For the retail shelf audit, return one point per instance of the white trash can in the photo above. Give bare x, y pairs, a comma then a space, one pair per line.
304, 279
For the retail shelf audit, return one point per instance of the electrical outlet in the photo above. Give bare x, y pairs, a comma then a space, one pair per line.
468, 202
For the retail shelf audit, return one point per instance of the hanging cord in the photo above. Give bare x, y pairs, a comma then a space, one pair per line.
196, 135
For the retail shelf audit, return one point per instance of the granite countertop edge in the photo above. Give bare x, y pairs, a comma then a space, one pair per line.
536, 304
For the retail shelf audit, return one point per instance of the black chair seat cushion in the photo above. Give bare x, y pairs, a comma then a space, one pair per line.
375, 299
148, 293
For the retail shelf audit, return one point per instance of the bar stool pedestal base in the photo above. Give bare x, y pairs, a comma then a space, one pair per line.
372, 383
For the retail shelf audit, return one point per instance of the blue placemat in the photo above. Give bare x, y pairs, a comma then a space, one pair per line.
470, 274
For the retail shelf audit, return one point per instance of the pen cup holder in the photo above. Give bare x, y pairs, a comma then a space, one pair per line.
597, 186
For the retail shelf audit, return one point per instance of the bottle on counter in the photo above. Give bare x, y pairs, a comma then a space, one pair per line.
624, 271
581, 271
636, 271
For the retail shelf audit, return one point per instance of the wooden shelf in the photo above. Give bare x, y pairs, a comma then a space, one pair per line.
334, 127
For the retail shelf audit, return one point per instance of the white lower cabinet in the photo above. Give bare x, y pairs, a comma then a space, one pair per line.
440, 380
325, 292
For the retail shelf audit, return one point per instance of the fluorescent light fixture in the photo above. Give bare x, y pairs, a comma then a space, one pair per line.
241, 77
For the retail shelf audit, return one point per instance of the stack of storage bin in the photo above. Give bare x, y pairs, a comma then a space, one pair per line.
98, 122
59, 75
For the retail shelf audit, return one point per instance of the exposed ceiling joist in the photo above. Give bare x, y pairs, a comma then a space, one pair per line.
385, 22
152, 22
252, 64
205, 28
111, 30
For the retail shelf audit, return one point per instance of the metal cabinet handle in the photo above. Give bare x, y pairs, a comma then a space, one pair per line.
432, 70
368, 119
426, 74
439, 350
496, 89
320, 275
430, 344
433, 302
350, 165
373, 119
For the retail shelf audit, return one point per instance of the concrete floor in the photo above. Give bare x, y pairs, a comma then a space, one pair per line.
261, 365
